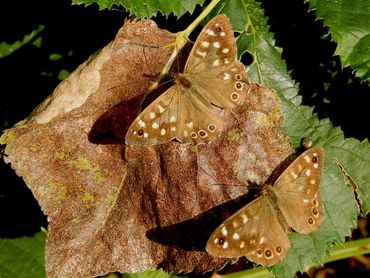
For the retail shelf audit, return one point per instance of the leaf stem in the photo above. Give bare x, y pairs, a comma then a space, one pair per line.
182, 38
343, 251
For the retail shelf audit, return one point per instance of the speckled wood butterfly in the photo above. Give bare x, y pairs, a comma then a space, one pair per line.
212, 77
259, 230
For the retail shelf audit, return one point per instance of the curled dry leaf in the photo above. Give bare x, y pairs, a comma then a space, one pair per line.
130, 209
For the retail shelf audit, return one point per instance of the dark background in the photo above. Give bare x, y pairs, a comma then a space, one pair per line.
76, 32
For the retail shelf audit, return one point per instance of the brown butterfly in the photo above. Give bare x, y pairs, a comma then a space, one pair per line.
212, 76
259, 230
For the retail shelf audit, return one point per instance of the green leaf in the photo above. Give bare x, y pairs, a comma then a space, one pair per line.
7, 49
63, 73
148, 8
349, 249
340, 207
23, 257
349, 24
55, 56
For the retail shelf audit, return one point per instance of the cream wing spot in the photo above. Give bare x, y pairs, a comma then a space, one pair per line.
163, 132
210, 32
226, 76
222, 34
216, 62
307, 158
226, 61
316, 165
225, 245
204, 44
294, 175
201, 53
142, 123
190, 124
225, 50
262, 240
173, 119
155, 125
160, 108
145, 135
152, 115
308, 172
245, 218
173, 129
224, 231
236, 236
216, 45
242, 244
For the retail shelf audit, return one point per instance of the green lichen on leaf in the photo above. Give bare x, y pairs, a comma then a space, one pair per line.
7, 138
235, 134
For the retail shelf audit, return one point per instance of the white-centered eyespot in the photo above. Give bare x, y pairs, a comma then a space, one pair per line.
238, 85
211, 127
234, 96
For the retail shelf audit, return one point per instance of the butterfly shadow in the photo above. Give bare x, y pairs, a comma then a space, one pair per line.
192, 234
111, 126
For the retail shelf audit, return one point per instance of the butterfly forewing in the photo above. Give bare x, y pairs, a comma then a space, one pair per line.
213, 68
216, 41
297, 190
254, 231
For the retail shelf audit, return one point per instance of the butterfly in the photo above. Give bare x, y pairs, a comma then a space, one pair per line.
212, 77
259, 230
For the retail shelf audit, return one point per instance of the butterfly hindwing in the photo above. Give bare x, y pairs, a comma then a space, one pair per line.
175, 115
253, 231
298, 193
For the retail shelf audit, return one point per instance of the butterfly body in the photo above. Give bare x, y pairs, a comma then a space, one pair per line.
187, 112
182, 80
259, 230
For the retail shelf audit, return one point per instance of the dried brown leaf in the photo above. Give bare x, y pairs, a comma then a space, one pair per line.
117, 209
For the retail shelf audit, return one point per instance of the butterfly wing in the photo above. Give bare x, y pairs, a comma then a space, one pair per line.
297, 191
176, 114
212, 66
254, 231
